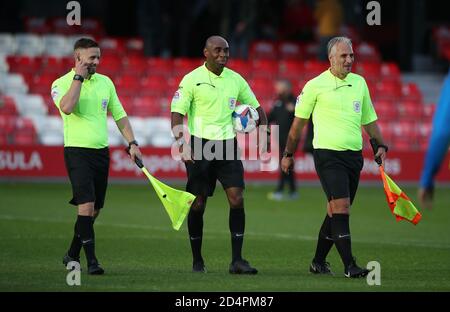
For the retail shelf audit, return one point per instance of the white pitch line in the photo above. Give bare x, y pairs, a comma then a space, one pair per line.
411, 243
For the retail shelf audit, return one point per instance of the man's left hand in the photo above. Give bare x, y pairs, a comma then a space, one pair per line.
381, 153
135, 152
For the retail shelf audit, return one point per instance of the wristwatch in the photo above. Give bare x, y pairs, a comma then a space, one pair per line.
134, 142
78, 77
287, 154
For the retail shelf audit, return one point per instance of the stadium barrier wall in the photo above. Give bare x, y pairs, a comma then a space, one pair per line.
29, 162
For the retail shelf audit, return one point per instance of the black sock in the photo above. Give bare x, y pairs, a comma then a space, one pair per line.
85, 228
195, 229
324, 242
237, 227
340, 228
75, 246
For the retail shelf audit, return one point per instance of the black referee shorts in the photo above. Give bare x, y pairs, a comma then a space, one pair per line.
338, 172
206, 170
88, 173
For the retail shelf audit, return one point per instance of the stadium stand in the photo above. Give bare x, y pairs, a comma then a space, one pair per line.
29, 62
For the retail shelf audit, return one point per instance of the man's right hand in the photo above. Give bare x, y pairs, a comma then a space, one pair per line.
81, 67
286, 164
186, 154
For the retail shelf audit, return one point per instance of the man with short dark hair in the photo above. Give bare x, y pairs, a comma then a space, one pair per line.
84, 97
208, 96
339, 102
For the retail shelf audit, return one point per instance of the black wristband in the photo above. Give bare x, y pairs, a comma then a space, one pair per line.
134, 142
78, 77
287, 154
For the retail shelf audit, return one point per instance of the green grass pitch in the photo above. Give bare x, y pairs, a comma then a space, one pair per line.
140, 252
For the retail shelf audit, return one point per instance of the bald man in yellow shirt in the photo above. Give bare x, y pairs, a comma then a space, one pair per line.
208, 96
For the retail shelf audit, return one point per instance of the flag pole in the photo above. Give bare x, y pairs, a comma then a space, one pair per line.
386, 186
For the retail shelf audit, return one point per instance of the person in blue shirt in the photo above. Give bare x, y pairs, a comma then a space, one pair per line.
437, 147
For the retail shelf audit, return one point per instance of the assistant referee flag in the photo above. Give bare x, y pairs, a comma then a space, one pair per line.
400, 204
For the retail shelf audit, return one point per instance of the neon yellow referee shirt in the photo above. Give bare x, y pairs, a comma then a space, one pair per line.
339, 108
87, 126
209, 100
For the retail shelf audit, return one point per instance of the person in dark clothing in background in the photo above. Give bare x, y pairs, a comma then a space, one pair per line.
282, 114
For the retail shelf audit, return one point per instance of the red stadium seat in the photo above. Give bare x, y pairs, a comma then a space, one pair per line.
410, 92
7, 124
19, 138
134, 65
173, 83
369, 70
134, 46
263, 50
7, 106
241, 66
423, 144
402, 144
262, 87
110, 65
127, 103
59, 26
388, 90
24, 133
297, 85
290, 51
291, 69
42, 83
405, 130
263, 68
386, 110
37, 25
89, 26
92, 26
159, 66
57, 65
311, 50
52, 109
428, 111
184, 65
366, 52
147, 106
390, 71
411, 110
424, 129
4, 139
154, 86
385, 128
24, 64
128, 85
112, 46
314, 68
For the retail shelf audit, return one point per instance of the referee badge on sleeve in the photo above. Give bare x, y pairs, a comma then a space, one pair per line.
357, 106
176, 96
232, 103
55, 93
297, 102
104, 104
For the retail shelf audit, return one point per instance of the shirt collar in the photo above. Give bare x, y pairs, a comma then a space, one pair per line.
213, 75
330, 74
